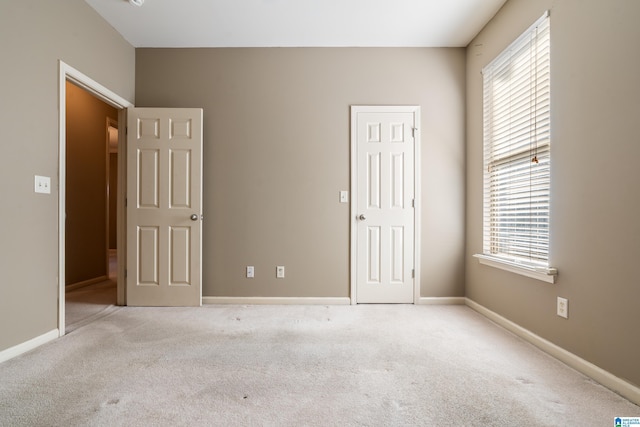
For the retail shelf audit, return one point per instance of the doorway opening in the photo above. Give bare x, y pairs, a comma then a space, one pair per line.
107, 263
91, 206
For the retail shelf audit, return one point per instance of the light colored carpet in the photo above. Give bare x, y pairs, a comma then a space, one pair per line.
372, 365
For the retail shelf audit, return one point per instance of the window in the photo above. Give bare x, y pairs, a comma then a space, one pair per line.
517, 138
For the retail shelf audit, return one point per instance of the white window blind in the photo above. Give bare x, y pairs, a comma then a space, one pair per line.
517, 137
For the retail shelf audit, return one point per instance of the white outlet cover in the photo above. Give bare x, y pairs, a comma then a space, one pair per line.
280, 272
563, 307
250, 272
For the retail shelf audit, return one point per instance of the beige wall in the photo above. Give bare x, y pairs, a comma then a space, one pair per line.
276, 155
34, 35
86, 195
595, 236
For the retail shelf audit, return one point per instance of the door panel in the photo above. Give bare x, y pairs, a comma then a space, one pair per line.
180, 259
148, 245
164, 209
384, 193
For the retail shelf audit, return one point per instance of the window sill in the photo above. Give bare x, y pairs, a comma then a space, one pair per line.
545, 274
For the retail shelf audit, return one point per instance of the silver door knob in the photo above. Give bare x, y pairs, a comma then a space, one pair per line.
362, 217
194, 217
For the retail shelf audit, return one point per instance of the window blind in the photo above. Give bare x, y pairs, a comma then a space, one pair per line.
517, 137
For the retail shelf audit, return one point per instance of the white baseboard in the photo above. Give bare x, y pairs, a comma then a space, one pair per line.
28, 345
607, 379
318, 301
275, 301
442, 301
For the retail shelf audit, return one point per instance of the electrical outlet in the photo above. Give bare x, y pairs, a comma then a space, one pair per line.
563, 307
280, 272
250, 271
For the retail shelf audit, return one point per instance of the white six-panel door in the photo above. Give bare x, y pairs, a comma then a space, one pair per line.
164, 206
383, 214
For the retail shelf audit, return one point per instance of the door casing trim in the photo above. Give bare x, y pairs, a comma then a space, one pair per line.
355, 110
68, 73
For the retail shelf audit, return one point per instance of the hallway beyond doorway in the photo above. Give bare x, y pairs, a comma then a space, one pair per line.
86, 304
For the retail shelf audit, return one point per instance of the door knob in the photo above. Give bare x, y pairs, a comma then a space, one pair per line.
194, 217
362, 217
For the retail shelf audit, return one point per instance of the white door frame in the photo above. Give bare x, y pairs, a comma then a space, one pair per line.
68, 73
355, 109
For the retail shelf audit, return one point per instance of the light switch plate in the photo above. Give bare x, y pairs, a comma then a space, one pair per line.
344, 197
42, 184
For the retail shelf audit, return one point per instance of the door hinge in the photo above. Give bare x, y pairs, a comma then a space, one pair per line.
126, 201
413, 203
413, 273
125, 273
414, 130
